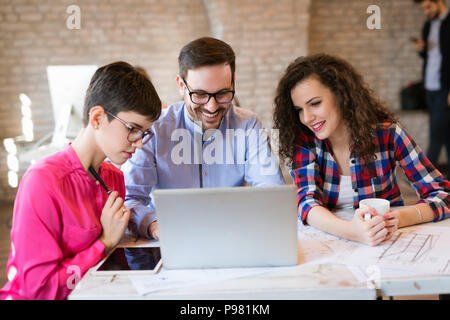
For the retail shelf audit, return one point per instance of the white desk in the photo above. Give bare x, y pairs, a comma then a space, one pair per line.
314, 281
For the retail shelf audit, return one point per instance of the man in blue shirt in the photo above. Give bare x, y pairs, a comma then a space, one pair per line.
203, 141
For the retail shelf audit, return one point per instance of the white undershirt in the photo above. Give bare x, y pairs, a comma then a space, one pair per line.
345, 199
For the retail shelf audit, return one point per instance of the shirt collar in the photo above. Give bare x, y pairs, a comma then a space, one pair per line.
77, 166
189, 123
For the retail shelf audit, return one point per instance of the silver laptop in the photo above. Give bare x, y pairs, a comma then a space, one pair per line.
227, 227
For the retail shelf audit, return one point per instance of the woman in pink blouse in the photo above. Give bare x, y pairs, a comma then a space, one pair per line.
64, 220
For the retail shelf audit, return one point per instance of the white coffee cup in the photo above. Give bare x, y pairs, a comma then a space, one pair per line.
382, 206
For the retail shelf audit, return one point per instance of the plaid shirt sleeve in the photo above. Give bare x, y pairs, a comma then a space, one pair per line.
428, 182
305, 173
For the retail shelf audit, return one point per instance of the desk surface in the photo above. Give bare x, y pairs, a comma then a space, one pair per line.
313, 281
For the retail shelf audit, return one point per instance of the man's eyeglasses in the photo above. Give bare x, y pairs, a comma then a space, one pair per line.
200, 97
135, 134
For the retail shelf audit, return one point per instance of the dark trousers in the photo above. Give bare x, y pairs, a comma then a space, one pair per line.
439, 125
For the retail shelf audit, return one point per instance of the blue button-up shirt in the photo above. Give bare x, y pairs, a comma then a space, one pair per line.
181, 156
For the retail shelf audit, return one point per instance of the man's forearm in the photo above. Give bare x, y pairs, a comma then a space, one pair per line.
140, 220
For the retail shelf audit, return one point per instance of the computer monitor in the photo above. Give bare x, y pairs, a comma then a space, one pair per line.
68, 85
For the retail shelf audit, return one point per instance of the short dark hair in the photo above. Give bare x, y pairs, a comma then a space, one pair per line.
205, 51
120, 87
143, 72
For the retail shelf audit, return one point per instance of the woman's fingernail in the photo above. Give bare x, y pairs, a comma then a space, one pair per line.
386, 216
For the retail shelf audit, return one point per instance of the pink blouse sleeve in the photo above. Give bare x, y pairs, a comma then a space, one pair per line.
36, 267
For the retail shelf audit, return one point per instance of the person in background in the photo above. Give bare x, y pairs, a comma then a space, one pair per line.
344, 146
64, 220
189, 149
434, 48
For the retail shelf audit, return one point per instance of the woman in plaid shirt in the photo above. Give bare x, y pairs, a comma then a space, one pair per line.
344, 145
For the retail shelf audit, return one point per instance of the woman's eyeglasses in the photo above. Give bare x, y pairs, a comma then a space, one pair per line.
135, 134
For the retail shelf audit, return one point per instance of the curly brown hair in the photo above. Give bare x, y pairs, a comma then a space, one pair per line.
360, 109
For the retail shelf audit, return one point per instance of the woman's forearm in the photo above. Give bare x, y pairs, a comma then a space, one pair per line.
323, 219
419, 213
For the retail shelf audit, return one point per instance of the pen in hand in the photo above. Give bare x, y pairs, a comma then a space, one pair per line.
97, 177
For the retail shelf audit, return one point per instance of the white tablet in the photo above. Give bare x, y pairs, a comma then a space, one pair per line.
130, 260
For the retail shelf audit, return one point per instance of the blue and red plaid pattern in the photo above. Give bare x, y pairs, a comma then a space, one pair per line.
316, 173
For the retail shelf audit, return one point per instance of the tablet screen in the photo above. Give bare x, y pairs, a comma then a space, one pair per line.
128, 259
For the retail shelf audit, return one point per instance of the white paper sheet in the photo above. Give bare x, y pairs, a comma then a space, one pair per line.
411, 251
173, 279
318, 246
420, 248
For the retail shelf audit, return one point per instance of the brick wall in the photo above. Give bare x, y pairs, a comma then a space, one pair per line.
384, 56
33, 34
265, 34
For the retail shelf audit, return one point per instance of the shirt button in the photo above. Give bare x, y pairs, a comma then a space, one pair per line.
97, 183
206, 173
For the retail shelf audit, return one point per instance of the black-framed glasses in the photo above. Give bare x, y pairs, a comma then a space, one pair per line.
135, 134
201, 97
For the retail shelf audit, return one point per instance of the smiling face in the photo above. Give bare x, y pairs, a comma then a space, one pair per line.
207, 79
317, 109
113, 136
